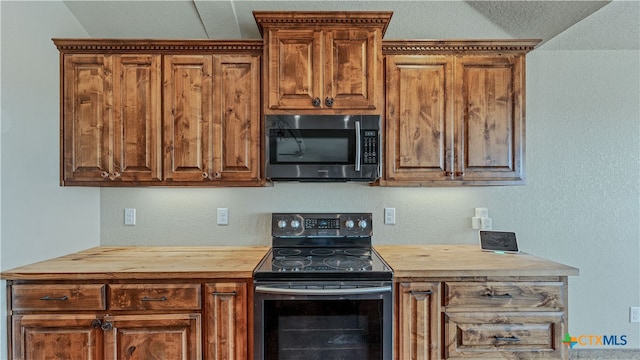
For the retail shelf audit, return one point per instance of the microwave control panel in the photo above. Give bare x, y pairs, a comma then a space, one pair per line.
370, 147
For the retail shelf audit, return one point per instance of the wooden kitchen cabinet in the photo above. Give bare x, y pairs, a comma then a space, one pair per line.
511, 319
153, 336
160, 112
455, 112
474, 318
111, 118
418, 321
227, 321
85, 321
325, 62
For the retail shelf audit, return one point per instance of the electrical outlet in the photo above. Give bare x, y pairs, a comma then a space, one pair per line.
634, 314
485, 223
223, 216
389, 216
130, 217
482, 212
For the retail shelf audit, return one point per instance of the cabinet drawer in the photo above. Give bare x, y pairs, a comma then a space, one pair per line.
547, 295
503, 335
58, 297
154, 297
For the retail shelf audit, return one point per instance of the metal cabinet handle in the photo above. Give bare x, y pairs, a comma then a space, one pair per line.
216, 293
146, 298
49, 298
507, 338
502, 296
106, 326
427, 292
316, 102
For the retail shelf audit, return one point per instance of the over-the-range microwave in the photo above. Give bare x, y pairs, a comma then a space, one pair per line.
323, 147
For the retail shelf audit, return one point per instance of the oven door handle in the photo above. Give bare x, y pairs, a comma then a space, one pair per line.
350, 291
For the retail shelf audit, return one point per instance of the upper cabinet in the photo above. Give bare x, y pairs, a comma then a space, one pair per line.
323, 62
137, 112
455, 112
111, 117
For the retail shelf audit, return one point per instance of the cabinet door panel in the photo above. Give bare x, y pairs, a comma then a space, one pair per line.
188, 117
295, 72
40, 337
351, 68
491, 132
87, 117
419, 118
170, 336
237, 117
227, 322
418, 321
137, 87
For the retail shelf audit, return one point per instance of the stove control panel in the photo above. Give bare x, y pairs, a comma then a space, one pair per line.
321, 224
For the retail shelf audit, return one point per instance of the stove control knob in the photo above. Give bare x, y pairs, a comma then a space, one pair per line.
282, 224
349, 224
363, 224
295, 224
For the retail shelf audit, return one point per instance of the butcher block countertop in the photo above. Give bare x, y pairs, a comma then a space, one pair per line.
416, 261
154, 262
238, 262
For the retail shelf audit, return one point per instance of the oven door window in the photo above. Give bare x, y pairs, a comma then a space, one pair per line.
311, 146
332, 329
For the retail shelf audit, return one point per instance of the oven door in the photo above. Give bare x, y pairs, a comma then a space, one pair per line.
323, 321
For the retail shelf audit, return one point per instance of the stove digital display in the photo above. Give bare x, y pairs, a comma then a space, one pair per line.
321, 223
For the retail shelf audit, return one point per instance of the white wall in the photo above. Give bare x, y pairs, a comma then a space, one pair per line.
40, 219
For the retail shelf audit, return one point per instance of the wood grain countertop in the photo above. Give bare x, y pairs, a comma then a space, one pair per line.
416, 261
152, 262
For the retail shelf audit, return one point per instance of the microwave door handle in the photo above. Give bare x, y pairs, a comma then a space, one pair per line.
358, 148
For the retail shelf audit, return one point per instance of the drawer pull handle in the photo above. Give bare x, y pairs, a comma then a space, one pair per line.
49, 298
507, 338
428, 292
503, 296
164, 298
215, 293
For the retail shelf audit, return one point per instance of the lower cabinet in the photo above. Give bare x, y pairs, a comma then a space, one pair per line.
128, 321
481, 318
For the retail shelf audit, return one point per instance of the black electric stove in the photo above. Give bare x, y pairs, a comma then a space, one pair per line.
330, 246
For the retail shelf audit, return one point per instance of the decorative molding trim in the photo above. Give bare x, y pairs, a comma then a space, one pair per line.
132, 45
456, 46
266, 19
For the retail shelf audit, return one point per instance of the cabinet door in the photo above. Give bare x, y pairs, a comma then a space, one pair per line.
226, 321
418, 321
236, 117
87, 118
294, 69
40, 337
352, 60
419, 130
165, 336
490, 117
188, 155
137, 104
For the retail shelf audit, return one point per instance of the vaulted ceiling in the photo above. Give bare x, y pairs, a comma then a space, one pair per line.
600, 24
